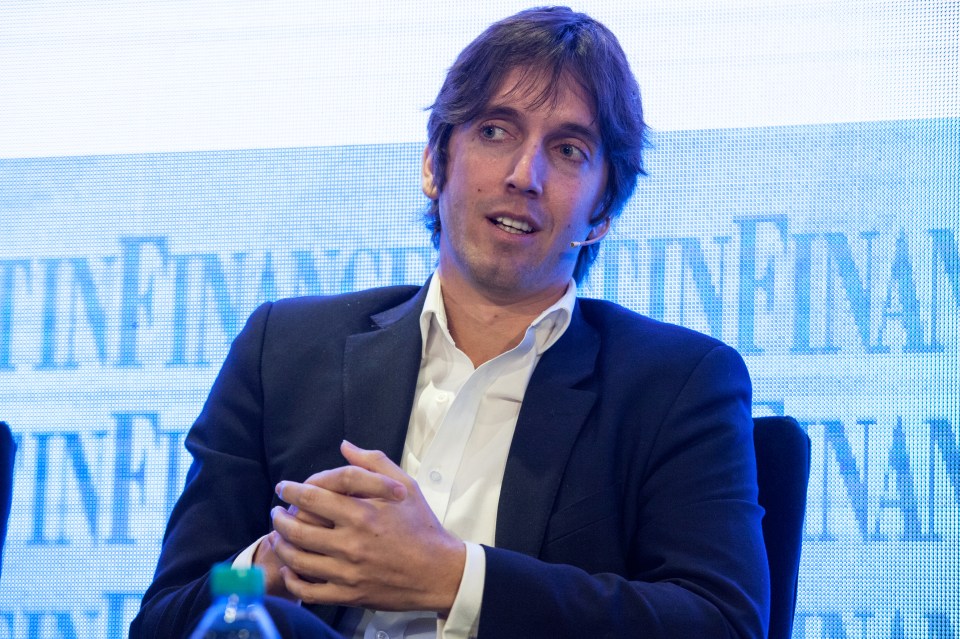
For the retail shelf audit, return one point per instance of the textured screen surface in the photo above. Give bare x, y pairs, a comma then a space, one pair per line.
165, 168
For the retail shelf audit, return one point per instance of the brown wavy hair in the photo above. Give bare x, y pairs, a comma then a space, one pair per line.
547, 43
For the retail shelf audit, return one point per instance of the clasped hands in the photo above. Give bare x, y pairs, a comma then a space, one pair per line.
361, 535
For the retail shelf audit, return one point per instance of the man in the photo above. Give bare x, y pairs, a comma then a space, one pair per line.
550, 466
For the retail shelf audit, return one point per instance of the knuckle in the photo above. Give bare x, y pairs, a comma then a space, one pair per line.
366, 519
352, 580
350, 480
316, 479
288, 555
295, 533
341, 594
308, 593
310, 499
378, 455
293, 585
300, 563
354, 551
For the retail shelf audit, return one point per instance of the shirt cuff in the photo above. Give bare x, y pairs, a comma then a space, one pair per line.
245, 559
464, 618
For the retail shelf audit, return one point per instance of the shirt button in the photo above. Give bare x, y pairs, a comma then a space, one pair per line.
436, 476
442, 398
382, 635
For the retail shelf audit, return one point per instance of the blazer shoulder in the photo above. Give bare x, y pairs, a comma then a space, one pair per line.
305, 319
621, 327
629, 340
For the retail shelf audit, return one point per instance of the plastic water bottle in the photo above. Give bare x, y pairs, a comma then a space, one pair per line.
237, 611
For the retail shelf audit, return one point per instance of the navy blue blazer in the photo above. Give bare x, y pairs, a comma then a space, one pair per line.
629, 500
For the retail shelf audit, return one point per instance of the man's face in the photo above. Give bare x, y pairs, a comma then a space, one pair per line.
522, 183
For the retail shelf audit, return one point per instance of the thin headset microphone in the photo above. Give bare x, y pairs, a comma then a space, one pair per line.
586, 242
604, 227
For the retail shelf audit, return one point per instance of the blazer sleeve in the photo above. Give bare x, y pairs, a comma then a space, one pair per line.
695, 561
225, 503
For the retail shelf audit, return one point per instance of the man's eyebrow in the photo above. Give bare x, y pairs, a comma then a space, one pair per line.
499, 111
580, 131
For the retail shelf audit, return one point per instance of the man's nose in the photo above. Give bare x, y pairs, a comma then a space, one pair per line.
528, 169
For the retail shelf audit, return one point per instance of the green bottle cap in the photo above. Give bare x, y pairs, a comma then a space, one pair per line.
225, 580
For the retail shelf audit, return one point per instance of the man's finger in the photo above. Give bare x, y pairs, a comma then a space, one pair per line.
312, 504
355, 481
373, 460
312, 591
308, 517
294, 531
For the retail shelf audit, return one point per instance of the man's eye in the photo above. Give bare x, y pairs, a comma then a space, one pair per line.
491, 132
572, 152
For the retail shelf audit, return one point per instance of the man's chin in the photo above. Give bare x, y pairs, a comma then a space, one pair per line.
509, 282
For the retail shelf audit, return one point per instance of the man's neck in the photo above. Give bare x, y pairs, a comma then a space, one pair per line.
485, 325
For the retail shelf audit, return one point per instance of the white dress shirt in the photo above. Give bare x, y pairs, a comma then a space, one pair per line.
456, 448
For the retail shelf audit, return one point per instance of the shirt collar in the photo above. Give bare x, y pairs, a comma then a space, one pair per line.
548, 327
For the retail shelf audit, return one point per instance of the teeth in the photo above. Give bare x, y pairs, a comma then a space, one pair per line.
513, 226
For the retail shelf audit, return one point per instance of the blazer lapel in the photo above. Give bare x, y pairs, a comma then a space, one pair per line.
550, 419
380, 371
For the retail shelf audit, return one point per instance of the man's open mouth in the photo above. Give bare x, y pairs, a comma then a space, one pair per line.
510, 225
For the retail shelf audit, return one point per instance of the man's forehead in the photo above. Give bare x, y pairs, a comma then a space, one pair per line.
534, 88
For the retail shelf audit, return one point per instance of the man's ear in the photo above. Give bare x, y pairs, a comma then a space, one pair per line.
600, 230
427, 178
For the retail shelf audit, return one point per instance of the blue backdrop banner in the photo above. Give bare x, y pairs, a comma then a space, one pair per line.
827, 254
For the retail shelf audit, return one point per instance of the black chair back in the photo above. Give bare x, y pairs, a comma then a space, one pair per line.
7, 448
783, 470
